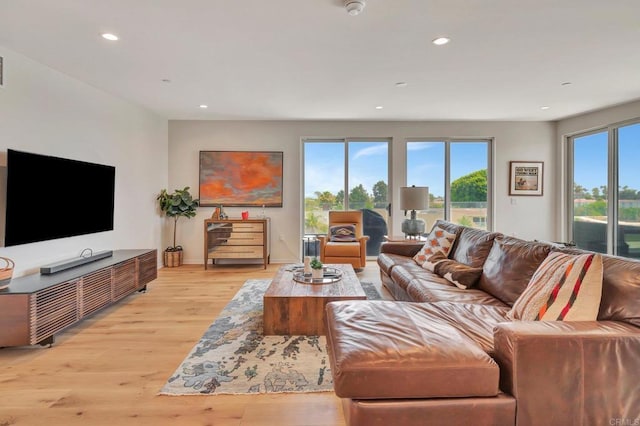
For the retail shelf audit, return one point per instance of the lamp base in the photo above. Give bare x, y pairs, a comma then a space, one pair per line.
413, 227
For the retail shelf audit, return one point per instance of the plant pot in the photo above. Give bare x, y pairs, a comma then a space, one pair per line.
317, 273
172, 258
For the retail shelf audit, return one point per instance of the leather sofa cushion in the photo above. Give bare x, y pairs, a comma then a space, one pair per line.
472, 246
386, 349
386, 261
509, 267
476, 322
402, 275
440, 290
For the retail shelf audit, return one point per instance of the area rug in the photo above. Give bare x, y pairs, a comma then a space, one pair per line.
234, 357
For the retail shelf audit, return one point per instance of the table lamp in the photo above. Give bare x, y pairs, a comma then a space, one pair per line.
413, 198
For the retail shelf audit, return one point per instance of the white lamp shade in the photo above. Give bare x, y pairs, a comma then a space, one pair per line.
414, 197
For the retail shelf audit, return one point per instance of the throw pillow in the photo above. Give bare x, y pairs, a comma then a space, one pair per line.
565, 287
461, 275
438, 240
342, 233
433, 260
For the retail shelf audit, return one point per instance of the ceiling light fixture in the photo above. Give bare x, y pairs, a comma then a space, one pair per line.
204, 106
354, 7
566, 83
440, 41
545, 107
110, 37
379, 107
401, 84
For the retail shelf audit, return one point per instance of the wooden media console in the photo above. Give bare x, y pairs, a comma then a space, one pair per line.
35, 307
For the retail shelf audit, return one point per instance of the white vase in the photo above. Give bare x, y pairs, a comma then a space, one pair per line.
317, 273
307, 265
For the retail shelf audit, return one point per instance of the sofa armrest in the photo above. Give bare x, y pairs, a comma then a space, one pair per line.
403, 249
583, 372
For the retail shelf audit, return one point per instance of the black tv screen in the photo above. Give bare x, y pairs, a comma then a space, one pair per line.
50, 197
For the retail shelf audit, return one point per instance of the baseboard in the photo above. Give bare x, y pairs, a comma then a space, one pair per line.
63, 265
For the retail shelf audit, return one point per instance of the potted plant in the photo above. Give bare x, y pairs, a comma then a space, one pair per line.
176, 205
316, 268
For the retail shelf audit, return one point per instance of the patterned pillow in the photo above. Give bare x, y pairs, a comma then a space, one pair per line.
433, 260
565, 287
438, 240
342, 233
461, 275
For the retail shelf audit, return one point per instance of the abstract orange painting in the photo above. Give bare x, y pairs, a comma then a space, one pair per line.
241, 178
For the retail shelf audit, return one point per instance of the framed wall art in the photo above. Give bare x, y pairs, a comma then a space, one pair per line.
526, 177
241, 178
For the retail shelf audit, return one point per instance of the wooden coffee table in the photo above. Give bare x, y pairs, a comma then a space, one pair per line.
294, 308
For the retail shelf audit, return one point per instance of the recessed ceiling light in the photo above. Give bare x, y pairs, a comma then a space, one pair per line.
545, 107
204, 106
379, 107
110, 37
401, 84
440, 41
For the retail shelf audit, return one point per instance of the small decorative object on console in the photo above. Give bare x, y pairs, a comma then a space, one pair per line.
6, 272
307, 265
327, 275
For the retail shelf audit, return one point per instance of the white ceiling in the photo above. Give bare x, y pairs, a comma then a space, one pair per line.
308, 59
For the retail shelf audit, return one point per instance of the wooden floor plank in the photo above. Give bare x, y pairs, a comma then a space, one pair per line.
108, 369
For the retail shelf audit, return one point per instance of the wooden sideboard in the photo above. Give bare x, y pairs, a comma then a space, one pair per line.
236, 239
35, 307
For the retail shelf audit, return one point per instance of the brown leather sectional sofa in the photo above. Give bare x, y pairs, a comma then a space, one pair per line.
444, 355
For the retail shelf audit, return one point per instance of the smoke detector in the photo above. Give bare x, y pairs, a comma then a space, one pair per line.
354, 7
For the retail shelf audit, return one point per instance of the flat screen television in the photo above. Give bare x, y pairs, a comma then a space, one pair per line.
51, 197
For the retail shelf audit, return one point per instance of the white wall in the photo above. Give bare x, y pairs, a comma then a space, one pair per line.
529, 217
578, 124
46, 112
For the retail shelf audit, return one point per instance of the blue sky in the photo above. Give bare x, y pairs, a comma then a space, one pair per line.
425, 163
590, 156
368, 164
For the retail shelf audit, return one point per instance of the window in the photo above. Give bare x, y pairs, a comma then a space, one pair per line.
458, 175
346, 174
604, 183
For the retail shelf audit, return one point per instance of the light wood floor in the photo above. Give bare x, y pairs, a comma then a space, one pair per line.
108, 369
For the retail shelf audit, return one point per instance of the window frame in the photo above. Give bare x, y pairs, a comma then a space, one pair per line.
612, 131
448, 141
345, 141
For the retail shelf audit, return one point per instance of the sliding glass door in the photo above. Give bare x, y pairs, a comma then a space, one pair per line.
605, 204
457, 173
347, 174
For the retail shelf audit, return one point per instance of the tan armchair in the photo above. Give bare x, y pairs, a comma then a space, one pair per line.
353, 252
